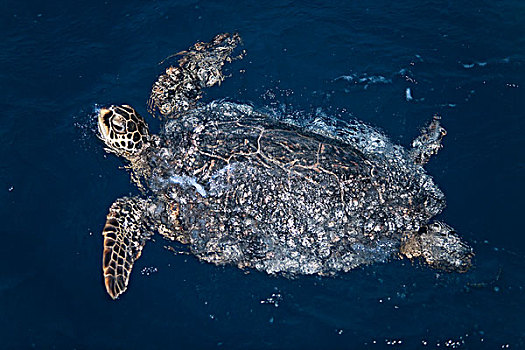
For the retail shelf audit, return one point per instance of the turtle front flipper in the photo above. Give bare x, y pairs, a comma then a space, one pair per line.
428, 143
124, 234
201, 66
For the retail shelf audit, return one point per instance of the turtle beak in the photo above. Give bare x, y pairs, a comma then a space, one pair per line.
103, 123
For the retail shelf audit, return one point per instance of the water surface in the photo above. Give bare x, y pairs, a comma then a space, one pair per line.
463, 60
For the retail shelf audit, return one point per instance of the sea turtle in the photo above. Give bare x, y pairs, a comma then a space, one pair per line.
269, 192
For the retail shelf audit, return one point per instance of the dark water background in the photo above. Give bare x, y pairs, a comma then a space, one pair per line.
462, 59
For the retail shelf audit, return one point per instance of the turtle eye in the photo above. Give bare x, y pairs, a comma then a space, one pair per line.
118, 123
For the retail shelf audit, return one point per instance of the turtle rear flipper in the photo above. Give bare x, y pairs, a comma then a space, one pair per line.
428, 143
200, 67
124, 237
440, 246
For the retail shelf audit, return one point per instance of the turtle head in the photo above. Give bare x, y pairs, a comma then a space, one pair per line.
439, 246
123, 130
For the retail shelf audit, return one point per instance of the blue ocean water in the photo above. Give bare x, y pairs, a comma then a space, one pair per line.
464, 60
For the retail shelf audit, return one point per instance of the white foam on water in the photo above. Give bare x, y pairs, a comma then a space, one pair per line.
365, 80
408, 94
96, 109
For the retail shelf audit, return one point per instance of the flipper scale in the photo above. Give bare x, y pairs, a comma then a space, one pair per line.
124, 237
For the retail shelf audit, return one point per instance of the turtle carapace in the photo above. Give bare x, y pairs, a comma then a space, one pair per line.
243, 187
